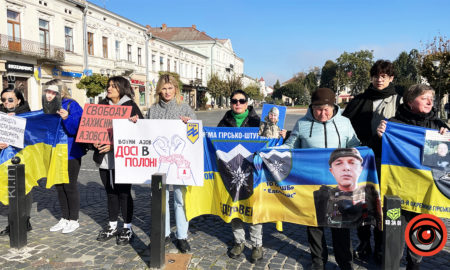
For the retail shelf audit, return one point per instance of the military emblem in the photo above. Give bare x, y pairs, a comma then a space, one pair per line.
278, 163
393, 214
236, 169
193, 131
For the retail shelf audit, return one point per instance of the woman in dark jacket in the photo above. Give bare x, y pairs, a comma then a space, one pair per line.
119, 92
417, 110
68, 194
13, 103
242, 115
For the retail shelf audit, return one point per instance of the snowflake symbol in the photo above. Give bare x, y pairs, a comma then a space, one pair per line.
239, 178
277, 166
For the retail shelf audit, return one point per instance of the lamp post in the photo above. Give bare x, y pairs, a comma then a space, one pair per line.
437, 65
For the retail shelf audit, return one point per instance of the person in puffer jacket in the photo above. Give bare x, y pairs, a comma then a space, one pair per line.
323, 126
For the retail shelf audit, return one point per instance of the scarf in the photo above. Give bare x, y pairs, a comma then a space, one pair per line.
240, 117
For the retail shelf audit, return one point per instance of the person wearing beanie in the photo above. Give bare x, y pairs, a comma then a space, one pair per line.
323, 126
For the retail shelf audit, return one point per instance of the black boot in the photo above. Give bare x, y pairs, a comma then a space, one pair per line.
5, 231
29, 228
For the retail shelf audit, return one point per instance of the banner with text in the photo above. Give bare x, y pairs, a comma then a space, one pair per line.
96, 122
422, 188
144, 148
12, 129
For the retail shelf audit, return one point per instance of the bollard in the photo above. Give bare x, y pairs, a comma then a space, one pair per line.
158, 224
393, 237
17, 214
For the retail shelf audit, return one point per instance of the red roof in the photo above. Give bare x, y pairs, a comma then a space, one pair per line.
178, 33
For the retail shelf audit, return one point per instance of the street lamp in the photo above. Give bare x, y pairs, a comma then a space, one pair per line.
437, 65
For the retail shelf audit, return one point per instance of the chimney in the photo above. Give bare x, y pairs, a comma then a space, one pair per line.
194, 27
164, 26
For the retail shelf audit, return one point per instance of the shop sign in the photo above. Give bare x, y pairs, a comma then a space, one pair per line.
19, 67
57, 72
137, 82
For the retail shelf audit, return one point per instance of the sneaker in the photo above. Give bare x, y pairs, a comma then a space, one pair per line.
236, 250
183, 245
71, 226
167, 240
257, 254
29, 228
5, 232
125, 236
106, 234
363, 251
60, 225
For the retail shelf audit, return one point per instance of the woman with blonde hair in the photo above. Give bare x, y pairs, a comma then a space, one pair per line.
169, 105
68, 194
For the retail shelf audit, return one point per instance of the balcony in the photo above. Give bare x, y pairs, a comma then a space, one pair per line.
32, 48
125, 65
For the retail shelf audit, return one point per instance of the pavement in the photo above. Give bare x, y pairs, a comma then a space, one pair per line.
209, 237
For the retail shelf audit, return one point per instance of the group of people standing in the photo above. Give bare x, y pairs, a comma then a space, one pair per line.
325, 125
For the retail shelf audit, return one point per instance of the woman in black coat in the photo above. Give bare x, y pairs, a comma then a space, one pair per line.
417, 110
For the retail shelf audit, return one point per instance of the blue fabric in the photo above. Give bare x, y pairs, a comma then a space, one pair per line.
180, 216
71, 127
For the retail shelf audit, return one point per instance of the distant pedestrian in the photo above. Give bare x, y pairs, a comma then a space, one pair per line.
323, 126
169, 105
68, 194
242, 115
119, 92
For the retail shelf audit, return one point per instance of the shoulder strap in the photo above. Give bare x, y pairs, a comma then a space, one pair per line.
68, 106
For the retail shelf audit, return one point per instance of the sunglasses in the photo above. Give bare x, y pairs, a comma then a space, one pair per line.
241, 101
10, 100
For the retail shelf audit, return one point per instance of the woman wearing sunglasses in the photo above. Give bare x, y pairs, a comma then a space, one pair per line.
242, 115
14, 103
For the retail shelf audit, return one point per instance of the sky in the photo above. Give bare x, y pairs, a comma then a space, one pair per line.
279, 38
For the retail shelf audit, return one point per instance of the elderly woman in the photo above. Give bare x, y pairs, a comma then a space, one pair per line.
169, 105
68, 194
13, 103
243, 115
417, 110
119, 92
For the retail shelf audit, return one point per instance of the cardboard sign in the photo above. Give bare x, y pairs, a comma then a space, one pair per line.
144, 148
12, 130
96, 122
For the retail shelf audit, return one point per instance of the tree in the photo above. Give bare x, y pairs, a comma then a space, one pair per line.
94, 85
310, 82
216, 87
438, 77
253, 92
296, 91
353, 70
327, 77
233, 83
277, 85
406, 68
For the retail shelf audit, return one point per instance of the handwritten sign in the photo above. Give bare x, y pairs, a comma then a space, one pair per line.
12, 130
96, 122
143, 148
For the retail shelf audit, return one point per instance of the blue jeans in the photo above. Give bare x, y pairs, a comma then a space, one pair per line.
180, 215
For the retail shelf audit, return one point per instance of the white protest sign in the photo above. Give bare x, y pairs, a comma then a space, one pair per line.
158, 146
12, 129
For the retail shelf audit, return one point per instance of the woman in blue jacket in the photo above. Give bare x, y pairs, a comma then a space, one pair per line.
68, 194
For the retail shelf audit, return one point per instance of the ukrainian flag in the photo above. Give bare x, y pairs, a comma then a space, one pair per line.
403, 175
45, 153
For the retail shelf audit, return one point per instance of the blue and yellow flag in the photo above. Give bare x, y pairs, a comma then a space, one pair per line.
403, 175
45, 153
228, 184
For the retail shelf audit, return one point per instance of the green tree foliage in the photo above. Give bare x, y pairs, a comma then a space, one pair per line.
174, 74
216, 87
310, 82
406, 68
353, 70
233, 83
437, 77
328, 74
94, 85
277, 85
253, 92
297, 91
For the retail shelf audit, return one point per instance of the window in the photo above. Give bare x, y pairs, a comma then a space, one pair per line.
161, 63
153, 62
69, 39
196, 72
129, 52
168, 64
139, 58
117, 50
175, 66
13, 30
44, 37
105, 47
90, 43
181, 69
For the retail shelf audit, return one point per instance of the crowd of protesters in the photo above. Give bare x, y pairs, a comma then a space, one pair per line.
325, 125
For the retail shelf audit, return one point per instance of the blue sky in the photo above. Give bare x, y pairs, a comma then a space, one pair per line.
279, 38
